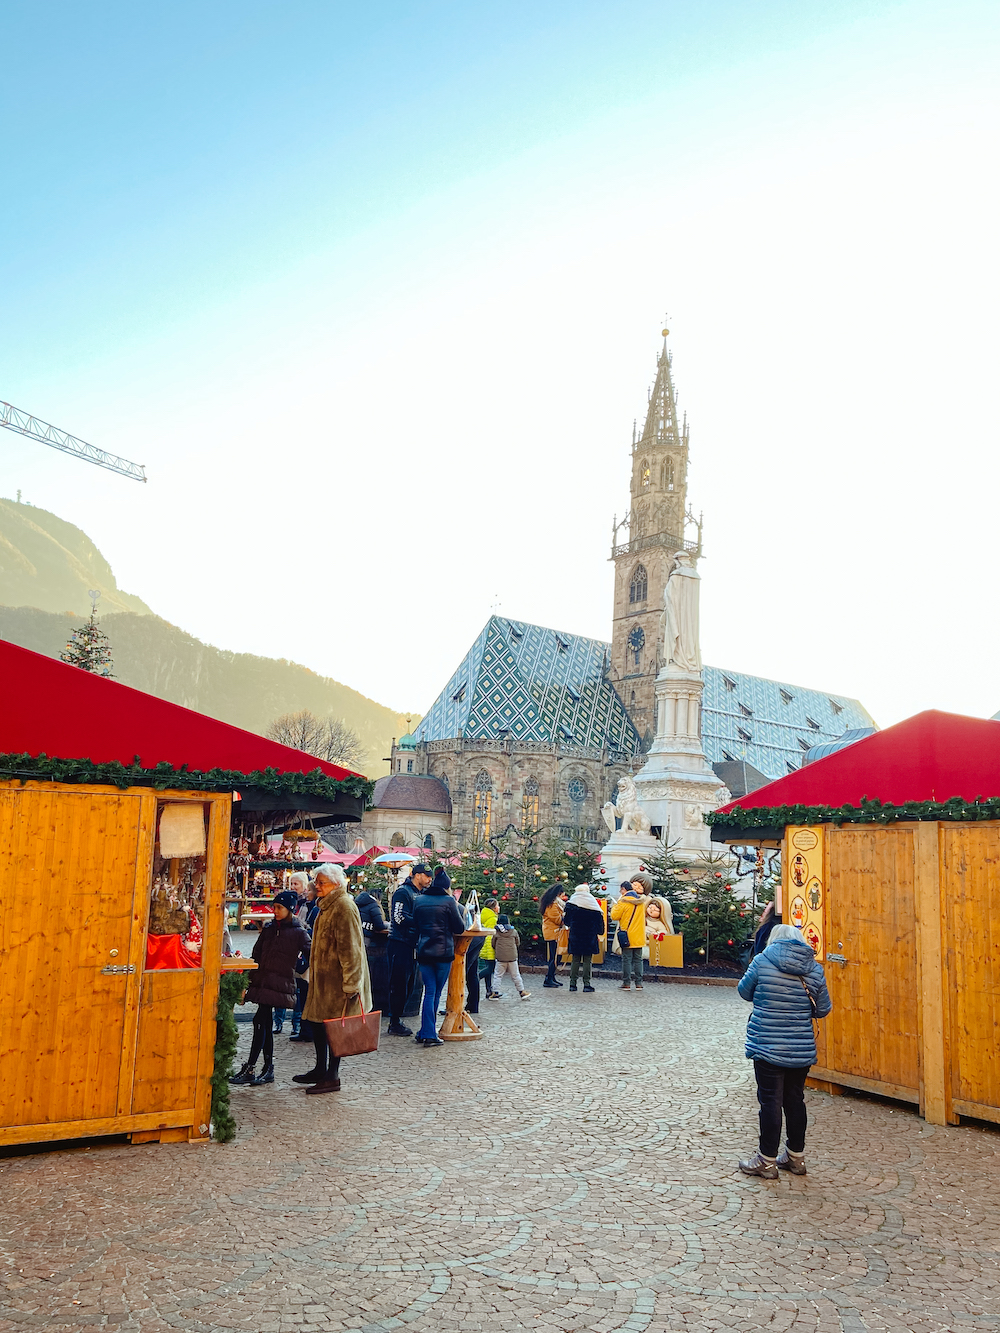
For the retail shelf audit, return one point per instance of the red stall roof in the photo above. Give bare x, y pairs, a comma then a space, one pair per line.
48, 707
933, 756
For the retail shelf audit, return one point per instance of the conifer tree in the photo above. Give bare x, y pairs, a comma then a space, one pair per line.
708, 911
88, 646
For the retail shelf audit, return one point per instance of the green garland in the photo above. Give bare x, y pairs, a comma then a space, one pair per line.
231, 987
164, 776
868, 812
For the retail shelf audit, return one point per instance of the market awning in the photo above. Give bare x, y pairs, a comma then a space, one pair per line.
51, 713
933, 757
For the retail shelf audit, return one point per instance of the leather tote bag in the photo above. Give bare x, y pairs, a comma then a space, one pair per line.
356, 1034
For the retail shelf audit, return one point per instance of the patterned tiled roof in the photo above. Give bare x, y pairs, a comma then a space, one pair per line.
769, 723
544, 685
536, 684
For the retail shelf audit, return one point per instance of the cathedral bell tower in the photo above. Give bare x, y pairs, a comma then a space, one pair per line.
655, 523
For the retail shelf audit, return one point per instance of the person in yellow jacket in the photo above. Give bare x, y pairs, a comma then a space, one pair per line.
487, 956
630, 913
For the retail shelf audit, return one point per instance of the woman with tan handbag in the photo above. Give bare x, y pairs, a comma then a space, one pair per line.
339, 985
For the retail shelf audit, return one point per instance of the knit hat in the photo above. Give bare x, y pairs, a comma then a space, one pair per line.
286, 898
503, 919
640, 877
441, 880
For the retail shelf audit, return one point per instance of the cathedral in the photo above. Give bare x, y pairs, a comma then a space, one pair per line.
536, 726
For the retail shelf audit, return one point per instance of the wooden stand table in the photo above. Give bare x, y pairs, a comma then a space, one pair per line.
459, 1025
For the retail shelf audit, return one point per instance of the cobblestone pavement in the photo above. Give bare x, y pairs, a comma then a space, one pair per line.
575, 1170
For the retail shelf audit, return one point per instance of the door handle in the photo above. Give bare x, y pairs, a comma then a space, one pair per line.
118, 969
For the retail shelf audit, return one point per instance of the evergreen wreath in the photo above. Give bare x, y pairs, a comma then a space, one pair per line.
868, 812
165, 777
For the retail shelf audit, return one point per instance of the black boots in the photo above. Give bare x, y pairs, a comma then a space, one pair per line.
244, 1075
266, 1076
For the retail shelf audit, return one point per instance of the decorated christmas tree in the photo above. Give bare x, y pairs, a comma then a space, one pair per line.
709, 910
88, 646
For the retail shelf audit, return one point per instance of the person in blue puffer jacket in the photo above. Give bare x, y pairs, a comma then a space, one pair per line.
788, 989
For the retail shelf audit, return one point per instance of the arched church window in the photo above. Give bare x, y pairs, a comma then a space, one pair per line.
429, 841
482, 805
638, 587
397, 840
529, 806
667, 474
632, 701
644, 474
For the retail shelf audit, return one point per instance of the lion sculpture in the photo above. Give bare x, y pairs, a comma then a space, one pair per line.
627, 809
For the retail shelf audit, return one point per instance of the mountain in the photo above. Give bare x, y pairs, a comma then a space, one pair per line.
47, 568
48, 563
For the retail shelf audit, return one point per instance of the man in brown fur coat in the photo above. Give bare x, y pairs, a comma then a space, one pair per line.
338, 972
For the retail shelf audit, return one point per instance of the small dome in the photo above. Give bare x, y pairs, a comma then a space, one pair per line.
407, 742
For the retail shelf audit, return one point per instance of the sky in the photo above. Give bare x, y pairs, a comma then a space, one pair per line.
375, 291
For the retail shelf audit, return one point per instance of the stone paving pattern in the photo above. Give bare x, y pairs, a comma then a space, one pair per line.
574, 1171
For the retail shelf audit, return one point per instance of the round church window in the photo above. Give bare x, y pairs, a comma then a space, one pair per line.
577, 789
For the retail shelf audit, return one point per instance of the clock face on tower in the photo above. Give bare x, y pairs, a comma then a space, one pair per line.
637, 639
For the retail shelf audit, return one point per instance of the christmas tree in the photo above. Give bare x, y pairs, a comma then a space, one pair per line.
88, 646
708, 910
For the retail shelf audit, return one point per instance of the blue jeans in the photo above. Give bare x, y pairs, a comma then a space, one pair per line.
435, 978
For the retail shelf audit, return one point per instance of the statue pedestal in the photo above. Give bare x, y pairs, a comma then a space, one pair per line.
677, 785
624, 853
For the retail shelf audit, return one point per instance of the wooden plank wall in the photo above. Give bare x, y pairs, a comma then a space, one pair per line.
873, 1032
970, 860
67, 885
84, 1052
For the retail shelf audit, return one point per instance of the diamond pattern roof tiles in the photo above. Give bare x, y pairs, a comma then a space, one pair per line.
537, 684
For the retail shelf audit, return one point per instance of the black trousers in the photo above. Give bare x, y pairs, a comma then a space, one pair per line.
402, 972
472, 974
551, 949
781, 1089
326, 1064
263, 1035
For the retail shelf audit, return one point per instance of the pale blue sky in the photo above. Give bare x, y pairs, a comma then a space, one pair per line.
374, 293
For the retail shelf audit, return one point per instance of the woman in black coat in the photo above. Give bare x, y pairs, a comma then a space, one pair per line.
272, 986
585, 920
375, 929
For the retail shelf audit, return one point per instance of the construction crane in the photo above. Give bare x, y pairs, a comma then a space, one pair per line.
14, 419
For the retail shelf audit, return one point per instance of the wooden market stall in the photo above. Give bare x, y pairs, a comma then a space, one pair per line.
115, 824
891, 867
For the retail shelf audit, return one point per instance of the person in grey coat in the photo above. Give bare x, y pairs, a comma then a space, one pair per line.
788, 990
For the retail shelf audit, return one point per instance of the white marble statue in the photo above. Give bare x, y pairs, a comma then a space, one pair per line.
681, 639
627, 808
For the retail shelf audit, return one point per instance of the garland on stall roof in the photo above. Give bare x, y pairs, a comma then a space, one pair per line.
164, 776
868, 812
231, 988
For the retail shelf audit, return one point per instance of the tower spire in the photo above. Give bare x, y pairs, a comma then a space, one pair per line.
661, 415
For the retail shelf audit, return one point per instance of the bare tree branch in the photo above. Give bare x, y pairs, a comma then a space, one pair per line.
330, 739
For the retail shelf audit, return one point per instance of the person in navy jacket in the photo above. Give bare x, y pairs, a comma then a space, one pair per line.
788, 990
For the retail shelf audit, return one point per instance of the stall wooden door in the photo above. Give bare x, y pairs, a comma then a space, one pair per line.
873, 1032
67, 884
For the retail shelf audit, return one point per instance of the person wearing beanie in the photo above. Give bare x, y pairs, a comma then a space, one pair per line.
273, 984
400, 946
506, 942
437, 919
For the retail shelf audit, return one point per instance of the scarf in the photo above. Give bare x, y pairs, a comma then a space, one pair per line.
582, 897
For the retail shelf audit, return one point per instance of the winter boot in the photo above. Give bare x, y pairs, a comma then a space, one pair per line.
266, 1076
757, 1165
244, 1075
791, 1161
